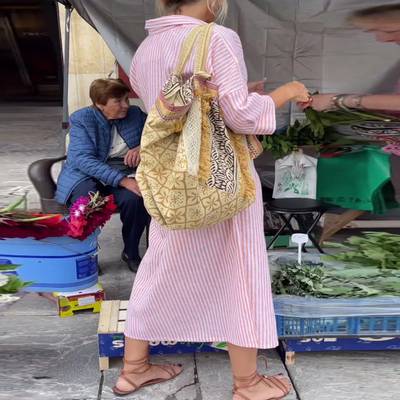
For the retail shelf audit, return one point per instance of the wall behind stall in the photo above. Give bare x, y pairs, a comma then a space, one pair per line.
284, 40
90, 59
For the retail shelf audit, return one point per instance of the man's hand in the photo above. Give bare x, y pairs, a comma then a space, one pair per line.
130, 184
132, 158
257, 87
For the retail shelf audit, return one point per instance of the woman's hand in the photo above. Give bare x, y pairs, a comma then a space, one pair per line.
132, 158
130, 184
320, 102
293, 91
297, 92
257, 87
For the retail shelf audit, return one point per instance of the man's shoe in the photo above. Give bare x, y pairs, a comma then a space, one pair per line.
133, 265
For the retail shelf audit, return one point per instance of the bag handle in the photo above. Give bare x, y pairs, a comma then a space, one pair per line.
187, 49
203, 45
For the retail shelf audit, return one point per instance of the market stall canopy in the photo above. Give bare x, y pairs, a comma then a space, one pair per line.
305, 40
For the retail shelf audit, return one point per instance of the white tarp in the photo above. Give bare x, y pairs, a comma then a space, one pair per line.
283, 40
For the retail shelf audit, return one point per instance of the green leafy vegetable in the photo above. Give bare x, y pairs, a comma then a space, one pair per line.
8, 267
298, 280
13, 285
317, 130
379, 249
349, 282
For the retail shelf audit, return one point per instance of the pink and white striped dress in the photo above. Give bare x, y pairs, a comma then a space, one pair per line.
209, 285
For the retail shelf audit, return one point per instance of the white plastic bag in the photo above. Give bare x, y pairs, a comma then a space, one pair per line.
295, 177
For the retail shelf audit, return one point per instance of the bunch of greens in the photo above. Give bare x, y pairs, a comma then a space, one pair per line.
346, 282
379, 249
355, 282
317, 129
298, 280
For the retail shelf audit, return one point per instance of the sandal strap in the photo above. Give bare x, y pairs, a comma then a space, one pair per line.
276, 383
141, 367
167, 369
262, 357
136, 387
240, 395
254, 379
270, 381
139, 364
245, 382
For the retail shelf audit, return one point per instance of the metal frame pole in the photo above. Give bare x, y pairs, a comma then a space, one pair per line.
65, 117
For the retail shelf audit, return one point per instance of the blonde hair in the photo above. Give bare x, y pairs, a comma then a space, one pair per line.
173, 5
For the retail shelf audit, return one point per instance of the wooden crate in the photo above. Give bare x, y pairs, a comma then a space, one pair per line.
111, 337
111, 331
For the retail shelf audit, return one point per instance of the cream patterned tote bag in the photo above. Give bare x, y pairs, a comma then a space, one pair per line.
194, 172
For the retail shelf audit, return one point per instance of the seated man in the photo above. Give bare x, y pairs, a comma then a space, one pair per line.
103, 154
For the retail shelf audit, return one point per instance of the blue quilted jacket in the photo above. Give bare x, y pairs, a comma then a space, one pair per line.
90, 143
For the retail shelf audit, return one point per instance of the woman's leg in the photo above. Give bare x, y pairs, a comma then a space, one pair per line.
244, 368
136, 360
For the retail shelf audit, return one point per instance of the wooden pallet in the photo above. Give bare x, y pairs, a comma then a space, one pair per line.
112, 322
112, 340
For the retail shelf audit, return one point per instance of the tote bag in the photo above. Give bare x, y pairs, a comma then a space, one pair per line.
194, 172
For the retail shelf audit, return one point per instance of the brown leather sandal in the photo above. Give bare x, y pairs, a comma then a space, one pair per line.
145, 362
255, 378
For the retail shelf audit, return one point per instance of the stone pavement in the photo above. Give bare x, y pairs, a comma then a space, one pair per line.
45, 357
48, 357
26, 134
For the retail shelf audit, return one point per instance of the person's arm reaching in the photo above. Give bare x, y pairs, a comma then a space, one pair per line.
383, 102
293, 91
244, 112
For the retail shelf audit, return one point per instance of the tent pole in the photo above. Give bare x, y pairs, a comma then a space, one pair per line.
65, 116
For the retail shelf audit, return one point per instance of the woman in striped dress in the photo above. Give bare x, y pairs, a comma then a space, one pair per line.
209, 285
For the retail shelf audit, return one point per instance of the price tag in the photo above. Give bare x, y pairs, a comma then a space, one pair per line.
86, 301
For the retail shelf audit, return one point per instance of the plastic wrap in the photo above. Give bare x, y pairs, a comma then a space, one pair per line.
300, 307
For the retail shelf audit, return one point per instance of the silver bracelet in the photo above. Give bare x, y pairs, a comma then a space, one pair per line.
334, 101
341, 101
338, 101
358, 99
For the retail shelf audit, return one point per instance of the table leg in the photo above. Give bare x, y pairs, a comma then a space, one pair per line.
287, 222
277, 234
339, 223
308, 231
290, 358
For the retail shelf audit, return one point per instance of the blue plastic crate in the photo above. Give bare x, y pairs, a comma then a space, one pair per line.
337, 326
